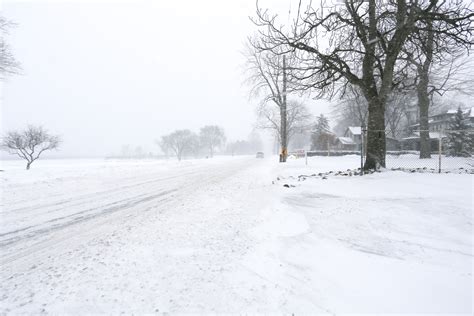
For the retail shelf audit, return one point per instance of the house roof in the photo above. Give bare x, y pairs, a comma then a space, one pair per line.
346, 140
355, 130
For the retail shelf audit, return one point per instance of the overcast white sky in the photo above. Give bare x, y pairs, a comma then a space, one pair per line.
107, 73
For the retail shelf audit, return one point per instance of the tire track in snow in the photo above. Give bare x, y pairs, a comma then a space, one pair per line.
87, 199
80, 199
78, 217
41, 241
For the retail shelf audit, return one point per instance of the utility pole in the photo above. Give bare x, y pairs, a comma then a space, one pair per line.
283, 118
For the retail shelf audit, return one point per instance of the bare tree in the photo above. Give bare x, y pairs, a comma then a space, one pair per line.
363, 40
8, 64
437, 55
267, 77
352, 110
180, 142
397, 112
212, 137
30, 143
195, 146
164, 145
298, 119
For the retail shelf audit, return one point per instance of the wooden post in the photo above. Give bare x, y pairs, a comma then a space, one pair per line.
440, 151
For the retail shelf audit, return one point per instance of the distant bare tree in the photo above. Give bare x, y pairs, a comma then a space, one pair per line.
164, 145
212, 137
180, 142
30, 143
352, 110
8, 64
399, 106
195, 147
298, 118
266, 74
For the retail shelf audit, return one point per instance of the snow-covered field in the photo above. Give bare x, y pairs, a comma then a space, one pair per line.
225, 235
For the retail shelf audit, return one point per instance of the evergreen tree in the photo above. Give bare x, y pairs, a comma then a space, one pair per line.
460, 141
321, 135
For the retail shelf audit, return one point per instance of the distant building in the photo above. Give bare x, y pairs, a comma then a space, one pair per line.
437, 124
442, 121
346, 143
354, 133
413, 142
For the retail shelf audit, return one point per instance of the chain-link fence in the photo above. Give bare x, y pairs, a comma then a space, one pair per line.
438, 150
441, 150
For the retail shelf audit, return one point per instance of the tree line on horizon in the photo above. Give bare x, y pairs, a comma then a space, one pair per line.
210, 140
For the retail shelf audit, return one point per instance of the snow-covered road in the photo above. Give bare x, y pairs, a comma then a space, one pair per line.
37, 214
117, 236
225, 235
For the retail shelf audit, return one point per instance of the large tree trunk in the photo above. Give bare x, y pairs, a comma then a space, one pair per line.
375, 154
423, 95
375, 135
424, 104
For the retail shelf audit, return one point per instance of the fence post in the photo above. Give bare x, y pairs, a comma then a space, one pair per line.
440, 150
306, 156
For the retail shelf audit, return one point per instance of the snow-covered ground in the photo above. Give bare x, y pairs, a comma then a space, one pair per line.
225, 235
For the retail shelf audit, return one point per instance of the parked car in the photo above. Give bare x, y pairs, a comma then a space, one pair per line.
260, 155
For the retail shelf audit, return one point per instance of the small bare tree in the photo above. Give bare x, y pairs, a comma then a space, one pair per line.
30, 143
211, 137
180, 142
